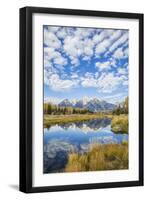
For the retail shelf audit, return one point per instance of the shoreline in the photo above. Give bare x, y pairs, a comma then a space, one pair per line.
62, 119
119, 123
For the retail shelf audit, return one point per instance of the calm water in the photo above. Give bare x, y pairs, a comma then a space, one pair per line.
60, 140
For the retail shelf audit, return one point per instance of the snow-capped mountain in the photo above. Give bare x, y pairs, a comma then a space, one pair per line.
74, 101
65, 103
93, 105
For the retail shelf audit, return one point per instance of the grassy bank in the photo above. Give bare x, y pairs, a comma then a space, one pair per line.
61, 119
99, 157
119, 124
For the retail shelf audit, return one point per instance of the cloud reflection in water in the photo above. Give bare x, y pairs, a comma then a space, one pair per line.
60, 140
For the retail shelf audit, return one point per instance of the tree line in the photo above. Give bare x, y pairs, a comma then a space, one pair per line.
57, 110
122, 108
50, 108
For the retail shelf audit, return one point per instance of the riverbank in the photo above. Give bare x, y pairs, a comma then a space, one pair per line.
62, 119
119, 124
99, 157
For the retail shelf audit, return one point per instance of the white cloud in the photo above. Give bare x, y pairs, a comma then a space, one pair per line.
86, 58
76, 47
53, 100
62, 33
105, 83
50, 54
118, 54
74, 75
103, 65
102, 47
105, 40
99, 37
119, 42
58, 84
96, 75
125, 83
113, 62
83, 32
51, 40
73, 46
76, 44
47, 64
88, 50
88, 80
108, 82
122, 71
115, 35
116, 98
126, 52
60, 61
104, 34
53, 29
82, 42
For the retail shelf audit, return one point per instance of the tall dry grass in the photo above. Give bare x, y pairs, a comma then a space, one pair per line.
99, 157
119, 124
62, 119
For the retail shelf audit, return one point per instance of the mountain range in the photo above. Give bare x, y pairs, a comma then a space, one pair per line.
93, 105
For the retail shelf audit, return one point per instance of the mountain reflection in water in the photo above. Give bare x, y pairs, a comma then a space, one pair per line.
60, 140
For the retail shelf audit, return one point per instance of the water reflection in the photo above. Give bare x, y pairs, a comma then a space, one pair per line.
60, 140
86, 126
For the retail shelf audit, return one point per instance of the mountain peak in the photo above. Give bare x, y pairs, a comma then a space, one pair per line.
65, 103
92, 104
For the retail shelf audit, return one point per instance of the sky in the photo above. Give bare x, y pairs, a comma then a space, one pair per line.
85, 62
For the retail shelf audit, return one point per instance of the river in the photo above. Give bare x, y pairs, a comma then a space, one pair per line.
60, 140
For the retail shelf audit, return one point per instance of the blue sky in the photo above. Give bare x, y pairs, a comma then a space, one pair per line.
85, 62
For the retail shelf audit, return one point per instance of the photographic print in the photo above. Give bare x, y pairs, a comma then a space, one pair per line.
81, 99
86, 95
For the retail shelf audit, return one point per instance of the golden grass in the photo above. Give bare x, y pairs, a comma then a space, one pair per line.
99, 157
61, 119
119, 124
